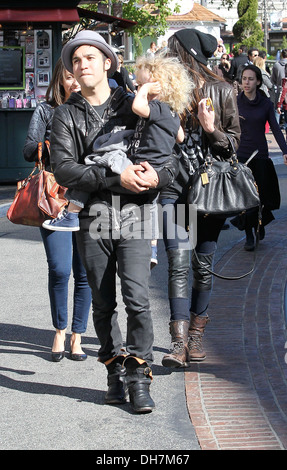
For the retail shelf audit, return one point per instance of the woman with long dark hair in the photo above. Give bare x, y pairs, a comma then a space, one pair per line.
255, 109
205, 126
61, 248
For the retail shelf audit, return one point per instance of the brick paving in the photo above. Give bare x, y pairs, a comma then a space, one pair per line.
237, 397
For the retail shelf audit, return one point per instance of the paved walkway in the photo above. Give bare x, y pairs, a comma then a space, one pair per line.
237, 398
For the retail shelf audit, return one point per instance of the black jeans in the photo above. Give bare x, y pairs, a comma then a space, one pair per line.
103, 258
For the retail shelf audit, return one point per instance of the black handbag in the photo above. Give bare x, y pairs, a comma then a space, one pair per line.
223, 188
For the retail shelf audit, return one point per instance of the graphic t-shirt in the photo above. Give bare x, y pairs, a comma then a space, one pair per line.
155, 136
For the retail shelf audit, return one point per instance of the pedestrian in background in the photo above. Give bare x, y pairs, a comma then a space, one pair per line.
128, 83
278, 73
152, 49
122, 77
61, 248
238, 62
255, 109
267, 86
223, 69
282, 101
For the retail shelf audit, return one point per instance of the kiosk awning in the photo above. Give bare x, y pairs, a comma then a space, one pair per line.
30, 15
94, 15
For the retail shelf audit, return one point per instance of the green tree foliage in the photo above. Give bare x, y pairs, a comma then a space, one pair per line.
148, 23
227, 3
247, 30
284, 43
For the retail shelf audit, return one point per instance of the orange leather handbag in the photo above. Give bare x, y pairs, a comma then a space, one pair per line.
38, 197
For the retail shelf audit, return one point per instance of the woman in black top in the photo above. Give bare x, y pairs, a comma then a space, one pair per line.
61, 248
255, 109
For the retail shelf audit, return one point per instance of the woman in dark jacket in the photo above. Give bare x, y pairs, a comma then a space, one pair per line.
61, 247
255, 109
203, 127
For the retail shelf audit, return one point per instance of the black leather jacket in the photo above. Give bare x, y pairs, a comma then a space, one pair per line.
75, 126
226, 122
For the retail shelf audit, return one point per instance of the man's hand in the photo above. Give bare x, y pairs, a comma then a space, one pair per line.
149, 174
131, 178
138, 178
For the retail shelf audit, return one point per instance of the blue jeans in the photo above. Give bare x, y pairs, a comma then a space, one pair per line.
62, 255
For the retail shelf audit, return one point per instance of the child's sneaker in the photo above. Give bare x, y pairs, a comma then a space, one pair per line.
64, 222
153, 260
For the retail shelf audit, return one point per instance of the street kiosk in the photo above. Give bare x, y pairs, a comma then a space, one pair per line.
30, 45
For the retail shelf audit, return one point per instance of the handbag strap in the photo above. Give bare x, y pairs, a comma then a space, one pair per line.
40, 163
232, 158
230, 278
236, 278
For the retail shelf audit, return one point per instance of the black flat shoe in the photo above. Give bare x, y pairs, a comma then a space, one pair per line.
58, 356
78, 357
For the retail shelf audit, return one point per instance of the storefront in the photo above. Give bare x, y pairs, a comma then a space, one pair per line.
30, 44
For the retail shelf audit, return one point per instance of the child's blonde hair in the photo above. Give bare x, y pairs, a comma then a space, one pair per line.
176, 85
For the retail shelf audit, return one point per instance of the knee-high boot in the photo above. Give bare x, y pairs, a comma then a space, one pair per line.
178, 293
178, 271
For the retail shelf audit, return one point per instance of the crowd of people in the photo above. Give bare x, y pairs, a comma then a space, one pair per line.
122, 151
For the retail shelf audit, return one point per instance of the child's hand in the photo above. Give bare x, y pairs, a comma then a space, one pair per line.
154, 88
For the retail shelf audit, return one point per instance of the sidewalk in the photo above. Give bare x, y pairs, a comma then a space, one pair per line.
236, 399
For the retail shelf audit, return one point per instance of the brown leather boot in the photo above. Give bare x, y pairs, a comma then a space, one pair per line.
178, 356
195, 334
